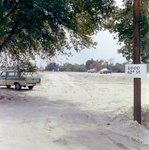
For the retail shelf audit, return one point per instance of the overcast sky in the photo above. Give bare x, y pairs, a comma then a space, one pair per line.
106, 49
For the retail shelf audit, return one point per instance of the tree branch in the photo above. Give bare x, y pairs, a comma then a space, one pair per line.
11, 11
9, 36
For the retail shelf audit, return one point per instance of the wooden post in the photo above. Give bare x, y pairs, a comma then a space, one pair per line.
136, 49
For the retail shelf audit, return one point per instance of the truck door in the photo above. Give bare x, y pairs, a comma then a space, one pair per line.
3, 78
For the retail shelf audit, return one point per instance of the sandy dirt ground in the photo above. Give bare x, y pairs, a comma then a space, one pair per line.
74, 111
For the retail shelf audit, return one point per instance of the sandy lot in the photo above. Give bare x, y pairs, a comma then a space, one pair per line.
74, 111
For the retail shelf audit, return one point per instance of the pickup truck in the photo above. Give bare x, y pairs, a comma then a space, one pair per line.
10, 78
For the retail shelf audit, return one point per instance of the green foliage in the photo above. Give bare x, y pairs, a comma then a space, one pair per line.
30, 67
79, 68
147, 67
118, 67
66, 67
88, 63
51, 67
29, 27
121, 22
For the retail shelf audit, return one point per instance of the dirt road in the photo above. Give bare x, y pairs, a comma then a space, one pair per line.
74, 111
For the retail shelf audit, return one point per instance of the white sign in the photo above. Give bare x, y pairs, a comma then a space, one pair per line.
135, 70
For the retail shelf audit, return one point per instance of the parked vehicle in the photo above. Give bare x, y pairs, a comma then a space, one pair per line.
11, 78
105, 71
94, 70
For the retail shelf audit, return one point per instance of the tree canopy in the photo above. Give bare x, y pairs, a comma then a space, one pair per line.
121, 23
28, 27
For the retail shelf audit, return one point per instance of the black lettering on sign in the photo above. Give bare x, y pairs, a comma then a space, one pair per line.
129, 72
134, 69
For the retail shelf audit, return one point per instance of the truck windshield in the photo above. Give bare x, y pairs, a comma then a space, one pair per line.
3, 74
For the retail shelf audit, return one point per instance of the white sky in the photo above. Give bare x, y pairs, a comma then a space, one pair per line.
106, 49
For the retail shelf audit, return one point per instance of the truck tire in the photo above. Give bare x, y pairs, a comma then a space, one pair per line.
8, 86
30, 87
17, 86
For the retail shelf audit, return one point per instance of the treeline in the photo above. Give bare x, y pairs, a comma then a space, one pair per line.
90, 64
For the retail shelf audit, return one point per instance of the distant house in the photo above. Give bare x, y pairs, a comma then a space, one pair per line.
105, 70
94, 70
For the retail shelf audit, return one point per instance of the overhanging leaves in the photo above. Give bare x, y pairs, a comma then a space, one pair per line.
30, 26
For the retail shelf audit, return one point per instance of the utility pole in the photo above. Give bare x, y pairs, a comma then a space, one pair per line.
136, 59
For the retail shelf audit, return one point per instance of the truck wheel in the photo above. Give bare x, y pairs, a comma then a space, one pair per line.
8, 86
30, 87
17, 86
